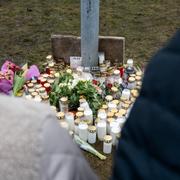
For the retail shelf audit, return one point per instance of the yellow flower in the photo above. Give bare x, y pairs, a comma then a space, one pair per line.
56, 75
69, 71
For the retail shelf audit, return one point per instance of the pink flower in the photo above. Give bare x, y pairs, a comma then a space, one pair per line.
8, 65
8, 75
33, 71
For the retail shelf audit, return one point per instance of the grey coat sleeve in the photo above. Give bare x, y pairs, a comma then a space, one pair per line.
61, 158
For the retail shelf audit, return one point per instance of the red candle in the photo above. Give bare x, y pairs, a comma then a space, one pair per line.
47, 87
47, 70
39, 79
45, 76
52, 72
43, 81
121, 69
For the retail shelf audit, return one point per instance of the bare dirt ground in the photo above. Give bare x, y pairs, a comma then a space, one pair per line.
26, 27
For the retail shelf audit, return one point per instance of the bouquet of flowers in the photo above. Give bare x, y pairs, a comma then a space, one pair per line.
13, 77
85, 146
7, 72
69, 86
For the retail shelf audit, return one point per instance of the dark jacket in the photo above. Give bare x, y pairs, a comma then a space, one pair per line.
150, 143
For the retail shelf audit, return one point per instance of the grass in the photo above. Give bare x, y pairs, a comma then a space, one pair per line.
26, 27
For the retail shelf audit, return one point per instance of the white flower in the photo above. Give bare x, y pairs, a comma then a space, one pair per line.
56, 75
70, 87
62, 84
100, 91
74, 83
75, 76
69, 71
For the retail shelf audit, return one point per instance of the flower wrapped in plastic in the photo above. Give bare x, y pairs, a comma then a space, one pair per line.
8, 65
32, 72
5, 86
85, 146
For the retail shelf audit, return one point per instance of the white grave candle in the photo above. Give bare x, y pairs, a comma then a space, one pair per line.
131, 83
103, 116
107, 145
101, 130
114, 132
100, 111
88, 115
92, 134
84, 105
63, 104
69, 117
101, 57
121, 121
76, 127
83, 131
113, 124
126, 93
111, 106
109, 121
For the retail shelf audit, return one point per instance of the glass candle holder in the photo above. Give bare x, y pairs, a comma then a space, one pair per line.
107, 145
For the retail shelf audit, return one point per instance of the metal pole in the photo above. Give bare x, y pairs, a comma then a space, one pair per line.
89, 32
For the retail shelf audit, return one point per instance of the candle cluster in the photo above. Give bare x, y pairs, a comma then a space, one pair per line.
92, 105
119, 91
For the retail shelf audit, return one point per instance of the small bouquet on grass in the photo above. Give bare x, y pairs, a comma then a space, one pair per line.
85, 146
7, 76
19, 81
22, 76
13, 77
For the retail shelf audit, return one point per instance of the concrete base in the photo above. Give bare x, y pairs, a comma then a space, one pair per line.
65, 46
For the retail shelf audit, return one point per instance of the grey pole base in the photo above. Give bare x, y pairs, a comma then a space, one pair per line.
89, 32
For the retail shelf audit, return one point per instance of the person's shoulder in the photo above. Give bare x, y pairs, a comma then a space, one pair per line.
21, 105
21, 111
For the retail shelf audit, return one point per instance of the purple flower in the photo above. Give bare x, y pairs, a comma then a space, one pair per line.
8, 65
32, 72
5, 86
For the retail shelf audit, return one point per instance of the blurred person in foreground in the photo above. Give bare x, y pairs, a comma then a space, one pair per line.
149, 147
34, 147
